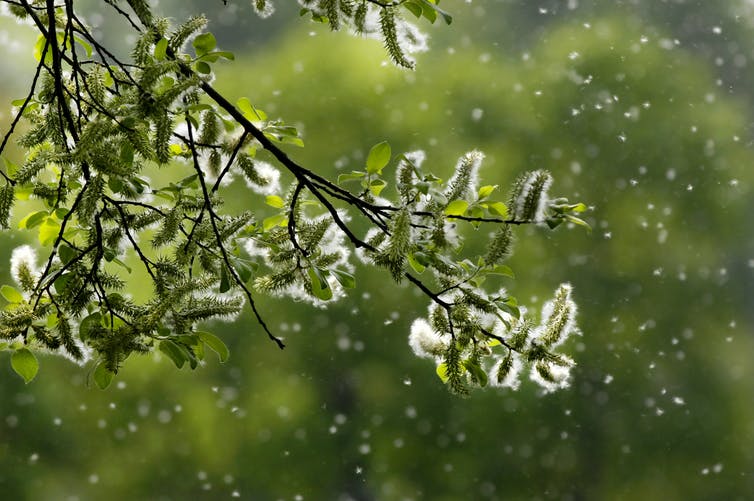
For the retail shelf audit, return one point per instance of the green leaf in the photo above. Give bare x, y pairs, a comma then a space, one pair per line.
122, 264
456, 208
502, 269
352, 176
87, 47
486, 191
510, 308
216, 344
414, 8
498, 208
429, 14
160, 49
244, 270
344, 278
580, 207
274, 201
276, 220
477, 212
88, 323
174, 352
102, 375
378, 157
249, 111
204, 43
48, 231
66, 253
376, 186
477, 372
25, 364
445, 16
416, 265
578, 221
39, 49
203, 68
320, 288
442, 372
10, 167
11, 294
33, 219
224, 280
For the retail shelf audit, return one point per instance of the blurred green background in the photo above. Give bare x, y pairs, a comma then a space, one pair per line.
642, 109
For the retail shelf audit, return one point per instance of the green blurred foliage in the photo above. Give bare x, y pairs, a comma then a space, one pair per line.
660, 406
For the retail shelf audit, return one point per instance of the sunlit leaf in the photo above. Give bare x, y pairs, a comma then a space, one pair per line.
160, 49
442, 372
204, 43
378, 157
48, 231
33, 219
274, 201
11, 294
457, 208
486, 191
376, 186
276, 220
25, 364
498, 208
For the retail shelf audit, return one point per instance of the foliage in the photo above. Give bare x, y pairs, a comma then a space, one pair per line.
98, 127
345, 410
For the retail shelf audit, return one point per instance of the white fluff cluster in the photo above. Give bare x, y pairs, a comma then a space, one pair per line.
23, 261
424, 341
542, 201
333, 242
466, 173
268, 173
558, 318
512, 379
561, 375
266, 10
361, 253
